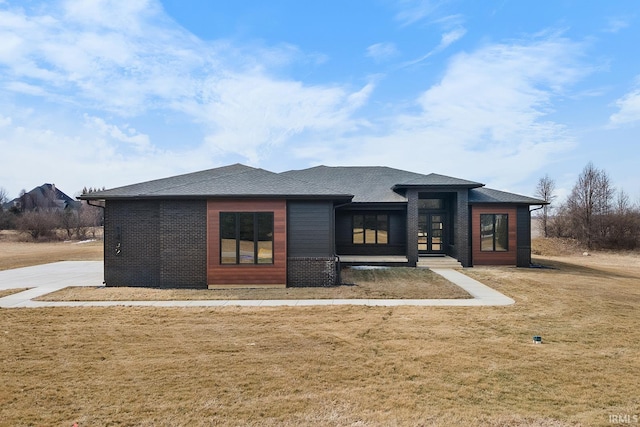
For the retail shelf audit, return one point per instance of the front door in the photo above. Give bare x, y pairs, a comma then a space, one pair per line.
431, 233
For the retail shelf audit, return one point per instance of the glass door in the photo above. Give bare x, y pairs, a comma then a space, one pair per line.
431, 236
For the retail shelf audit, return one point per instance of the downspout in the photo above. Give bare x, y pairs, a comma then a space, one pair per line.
103, 237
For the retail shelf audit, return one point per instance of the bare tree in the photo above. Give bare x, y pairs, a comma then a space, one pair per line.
624, 220
39, 224
68, 219
4, 198
5, 216
589, 204
545, 190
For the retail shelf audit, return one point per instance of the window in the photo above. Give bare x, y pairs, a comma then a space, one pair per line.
430, 204
246, 237
494, 232
371, 229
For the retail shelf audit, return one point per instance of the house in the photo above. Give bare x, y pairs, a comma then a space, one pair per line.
46, 196
238, 226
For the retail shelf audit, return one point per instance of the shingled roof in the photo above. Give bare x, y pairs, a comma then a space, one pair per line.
375, 184
229, 181
488, 195
359, 184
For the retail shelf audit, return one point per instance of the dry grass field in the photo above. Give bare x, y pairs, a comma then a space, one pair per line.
341, 365
370, 284
15, 252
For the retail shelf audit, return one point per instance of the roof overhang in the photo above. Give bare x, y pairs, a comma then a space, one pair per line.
336, 197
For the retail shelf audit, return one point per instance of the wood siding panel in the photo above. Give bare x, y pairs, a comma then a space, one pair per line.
494, 258
269, 274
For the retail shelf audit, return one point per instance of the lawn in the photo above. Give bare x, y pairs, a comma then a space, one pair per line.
401, 283
15, 253
340, 365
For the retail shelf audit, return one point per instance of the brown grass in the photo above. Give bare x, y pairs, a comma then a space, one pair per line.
369, 284
15, 253
341, 365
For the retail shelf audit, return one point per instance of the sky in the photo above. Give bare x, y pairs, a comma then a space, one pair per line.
105, 93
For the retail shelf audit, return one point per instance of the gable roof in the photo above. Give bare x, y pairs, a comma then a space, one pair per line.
375, 184
228, 181
46, 196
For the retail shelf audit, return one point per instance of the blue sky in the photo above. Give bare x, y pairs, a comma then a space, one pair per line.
108, 93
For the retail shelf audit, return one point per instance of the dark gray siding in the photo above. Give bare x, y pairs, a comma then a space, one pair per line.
310, 244
310, 229
523, 237
162, 243
397, 233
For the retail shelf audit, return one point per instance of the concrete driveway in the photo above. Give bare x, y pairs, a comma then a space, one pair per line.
47, 278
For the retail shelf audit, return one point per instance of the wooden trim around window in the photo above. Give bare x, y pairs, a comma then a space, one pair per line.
247, 275
480, 257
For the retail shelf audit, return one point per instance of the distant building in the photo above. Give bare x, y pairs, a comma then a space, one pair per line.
46, 196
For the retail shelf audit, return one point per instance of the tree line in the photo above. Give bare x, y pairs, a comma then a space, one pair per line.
43, 220
595, 213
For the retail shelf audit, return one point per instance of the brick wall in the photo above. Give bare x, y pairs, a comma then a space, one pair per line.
155, 243
312, 271
183, 244
462, 238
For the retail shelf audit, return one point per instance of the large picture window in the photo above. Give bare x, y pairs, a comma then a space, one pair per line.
494, 232
371, 229
246, 237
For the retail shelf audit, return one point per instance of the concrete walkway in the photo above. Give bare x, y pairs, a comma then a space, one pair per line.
47, 278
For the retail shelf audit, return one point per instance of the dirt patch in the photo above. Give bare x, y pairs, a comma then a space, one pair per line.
394, 283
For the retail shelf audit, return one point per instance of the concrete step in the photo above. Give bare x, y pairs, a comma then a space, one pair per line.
438, 262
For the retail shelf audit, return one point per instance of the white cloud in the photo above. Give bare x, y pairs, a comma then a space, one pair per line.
250, 113
446, 39
129, 136
380, 52
412, 11
450, 37
615, 24
485, 119
628, 109
97, 154
107, 63
129, 59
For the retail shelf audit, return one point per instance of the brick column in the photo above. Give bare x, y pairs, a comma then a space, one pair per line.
412, 227
462, 228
